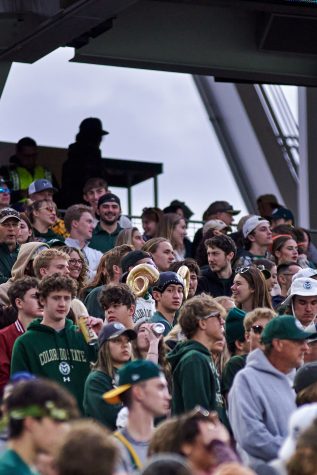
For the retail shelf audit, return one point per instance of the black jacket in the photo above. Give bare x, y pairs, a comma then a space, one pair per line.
84, 161
210, 283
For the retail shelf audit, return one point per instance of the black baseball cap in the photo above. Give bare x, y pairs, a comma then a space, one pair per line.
282, 213
92, 124
109, 198
305, 376
221, 207
132, 258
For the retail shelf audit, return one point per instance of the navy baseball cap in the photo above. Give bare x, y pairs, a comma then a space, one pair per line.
113, 330
40, 185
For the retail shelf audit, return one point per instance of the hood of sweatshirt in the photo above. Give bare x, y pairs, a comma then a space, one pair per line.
25, 255
184, 347
37, 326
258, 361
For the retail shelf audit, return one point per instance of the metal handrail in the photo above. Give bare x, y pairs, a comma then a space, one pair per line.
283, 123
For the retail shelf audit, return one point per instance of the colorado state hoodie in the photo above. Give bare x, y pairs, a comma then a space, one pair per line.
62, 356
261, 401
195, 379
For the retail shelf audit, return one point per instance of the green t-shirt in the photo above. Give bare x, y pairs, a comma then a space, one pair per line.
103, 241
157, 317
12, 464
92, 302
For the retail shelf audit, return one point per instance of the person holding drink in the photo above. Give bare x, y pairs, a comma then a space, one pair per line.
114, 351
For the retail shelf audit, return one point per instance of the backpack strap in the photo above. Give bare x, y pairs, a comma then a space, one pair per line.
134, 456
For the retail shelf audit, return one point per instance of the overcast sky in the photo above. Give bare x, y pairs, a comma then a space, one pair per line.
151, 116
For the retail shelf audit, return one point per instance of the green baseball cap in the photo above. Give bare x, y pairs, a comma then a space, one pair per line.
285, 327
132, 373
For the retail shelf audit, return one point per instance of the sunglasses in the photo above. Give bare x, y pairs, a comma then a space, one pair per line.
199, 412
243, 270
257, 329
50, 209
211, 315
4, 190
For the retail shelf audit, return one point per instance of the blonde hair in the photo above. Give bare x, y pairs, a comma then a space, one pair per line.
152, 245
104, 361
169, 222
255, 315
44, 258
125, 236
223, 300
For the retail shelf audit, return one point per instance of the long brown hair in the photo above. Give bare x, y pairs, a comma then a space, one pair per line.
104, 272
104, 361
82, 278
256, 281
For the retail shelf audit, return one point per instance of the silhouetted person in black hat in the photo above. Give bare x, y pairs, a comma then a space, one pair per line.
83, 162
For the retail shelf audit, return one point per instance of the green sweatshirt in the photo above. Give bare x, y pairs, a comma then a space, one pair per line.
195, 379
12, 464
96, 385
7, 260
235, 364
62, 356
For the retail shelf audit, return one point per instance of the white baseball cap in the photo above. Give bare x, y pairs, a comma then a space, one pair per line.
251, 223
307, 272
217, 224
299, 421
304, 286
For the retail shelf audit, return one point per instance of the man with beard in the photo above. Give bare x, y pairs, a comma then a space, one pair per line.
106, 232
195, 378
217, 279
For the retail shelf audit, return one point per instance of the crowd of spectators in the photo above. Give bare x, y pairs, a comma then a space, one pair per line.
129, 350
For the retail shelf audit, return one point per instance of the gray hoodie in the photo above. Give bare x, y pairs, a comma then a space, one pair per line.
261, 401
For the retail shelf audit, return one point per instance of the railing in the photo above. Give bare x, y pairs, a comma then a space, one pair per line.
192, 226
282, 122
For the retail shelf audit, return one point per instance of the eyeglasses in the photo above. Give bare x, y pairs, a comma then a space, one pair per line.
257, 329
4, 190
211, 315
73, 262
50, 209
